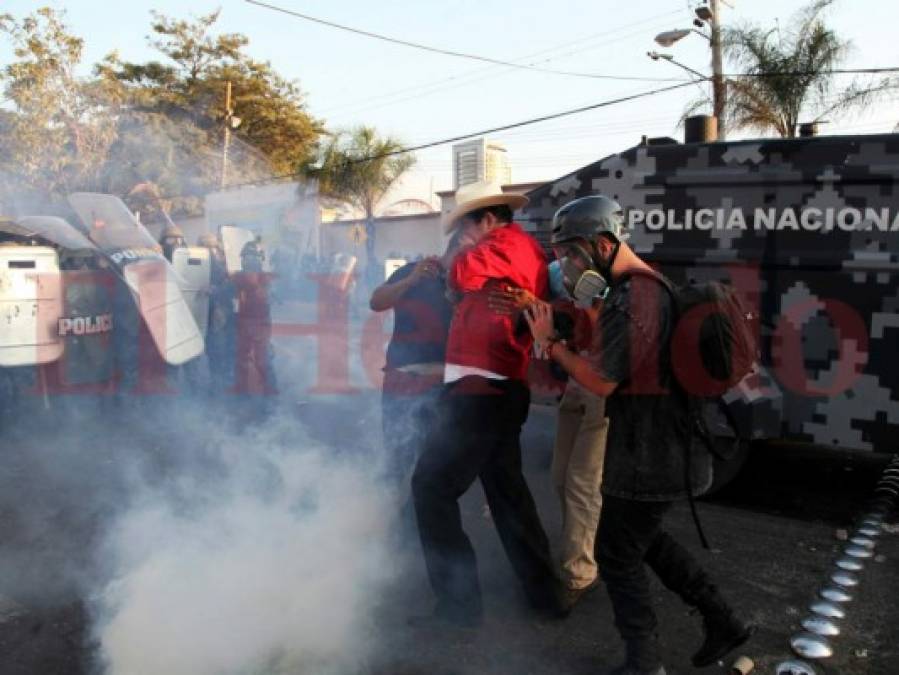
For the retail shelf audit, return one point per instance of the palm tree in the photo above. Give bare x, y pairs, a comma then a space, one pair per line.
358, 168
787, 75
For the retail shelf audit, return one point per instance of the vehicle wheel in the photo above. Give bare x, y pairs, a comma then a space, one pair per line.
728, 463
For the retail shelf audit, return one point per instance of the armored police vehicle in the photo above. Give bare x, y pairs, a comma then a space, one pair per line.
808, 230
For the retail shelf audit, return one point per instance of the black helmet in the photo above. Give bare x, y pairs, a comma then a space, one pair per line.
586, 217
172, 231
252, 248
208, 240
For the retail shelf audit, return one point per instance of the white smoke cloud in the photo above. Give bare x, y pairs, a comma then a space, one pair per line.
269, 563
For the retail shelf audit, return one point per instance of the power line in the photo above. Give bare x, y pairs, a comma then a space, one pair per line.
449, 52
535, 120
505, 127
487, 72
558, 115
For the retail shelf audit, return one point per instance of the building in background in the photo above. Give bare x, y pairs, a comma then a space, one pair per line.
280, 213
478, 160
407, 207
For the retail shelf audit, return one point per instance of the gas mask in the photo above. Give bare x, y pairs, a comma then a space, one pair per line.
582, 281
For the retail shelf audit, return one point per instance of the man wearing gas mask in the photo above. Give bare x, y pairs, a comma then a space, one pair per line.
647, 466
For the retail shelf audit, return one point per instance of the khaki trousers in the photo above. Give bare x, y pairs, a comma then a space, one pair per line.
578, 456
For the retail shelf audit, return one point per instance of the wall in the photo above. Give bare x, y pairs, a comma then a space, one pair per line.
410, 236
192, 228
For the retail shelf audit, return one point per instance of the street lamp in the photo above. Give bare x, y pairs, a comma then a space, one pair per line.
655, 56
705, 15
669, 37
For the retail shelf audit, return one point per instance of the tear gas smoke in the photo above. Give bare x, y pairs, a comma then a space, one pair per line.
197, 548
268, 563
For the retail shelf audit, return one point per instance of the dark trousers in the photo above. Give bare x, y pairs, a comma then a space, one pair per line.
407, 414
220, 359
477, 436
254, 368
630, 538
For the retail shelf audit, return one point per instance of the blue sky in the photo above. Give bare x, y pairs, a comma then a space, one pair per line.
417, 96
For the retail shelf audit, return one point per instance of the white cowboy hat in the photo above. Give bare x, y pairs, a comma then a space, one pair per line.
475, 196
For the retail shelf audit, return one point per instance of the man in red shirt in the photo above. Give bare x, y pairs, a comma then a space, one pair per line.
482, 406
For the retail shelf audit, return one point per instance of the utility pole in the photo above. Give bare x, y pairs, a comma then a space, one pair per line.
719, 88
227, 141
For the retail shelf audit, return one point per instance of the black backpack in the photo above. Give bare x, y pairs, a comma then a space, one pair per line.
714, 344
713, 347
716, 334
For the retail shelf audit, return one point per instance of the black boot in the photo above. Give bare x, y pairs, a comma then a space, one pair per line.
723, 631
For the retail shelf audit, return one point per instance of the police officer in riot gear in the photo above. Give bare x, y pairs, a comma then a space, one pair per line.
252, 257
172, 238
220, 329
650, 459
255, 373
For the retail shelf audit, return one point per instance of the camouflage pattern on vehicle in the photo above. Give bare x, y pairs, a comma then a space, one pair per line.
809, 230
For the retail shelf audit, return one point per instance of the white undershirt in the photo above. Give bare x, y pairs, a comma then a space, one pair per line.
453, 372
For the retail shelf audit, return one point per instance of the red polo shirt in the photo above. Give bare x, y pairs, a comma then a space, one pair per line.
479, 337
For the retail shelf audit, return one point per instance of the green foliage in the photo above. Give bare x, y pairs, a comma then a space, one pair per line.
189, 86
358, 168
159, 123
57, 133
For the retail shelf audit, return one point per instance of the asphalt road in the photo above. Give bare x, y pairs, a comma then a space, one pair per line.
773, 532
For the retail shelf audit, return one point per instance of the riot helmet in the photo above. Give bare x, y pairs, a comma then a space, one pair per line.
82, 259
171, 239
208, 240
252, 257
587, 217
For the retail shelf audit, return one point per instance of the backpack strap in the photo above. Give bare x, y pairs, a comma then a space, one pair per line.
695, 422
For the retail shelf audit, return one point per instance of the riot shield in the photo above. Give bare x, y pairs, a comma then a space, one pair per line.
194, 267
30, 305
57, 231
341, 273
86, 327
87, 316
153, 283
233, 241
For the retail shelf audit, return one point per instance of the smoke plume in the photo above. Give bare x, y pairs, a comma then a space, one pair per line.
263, 556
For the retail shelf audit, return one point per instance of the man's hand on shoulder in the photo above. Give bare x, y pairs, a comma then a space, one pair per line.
508, 300
427, 268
